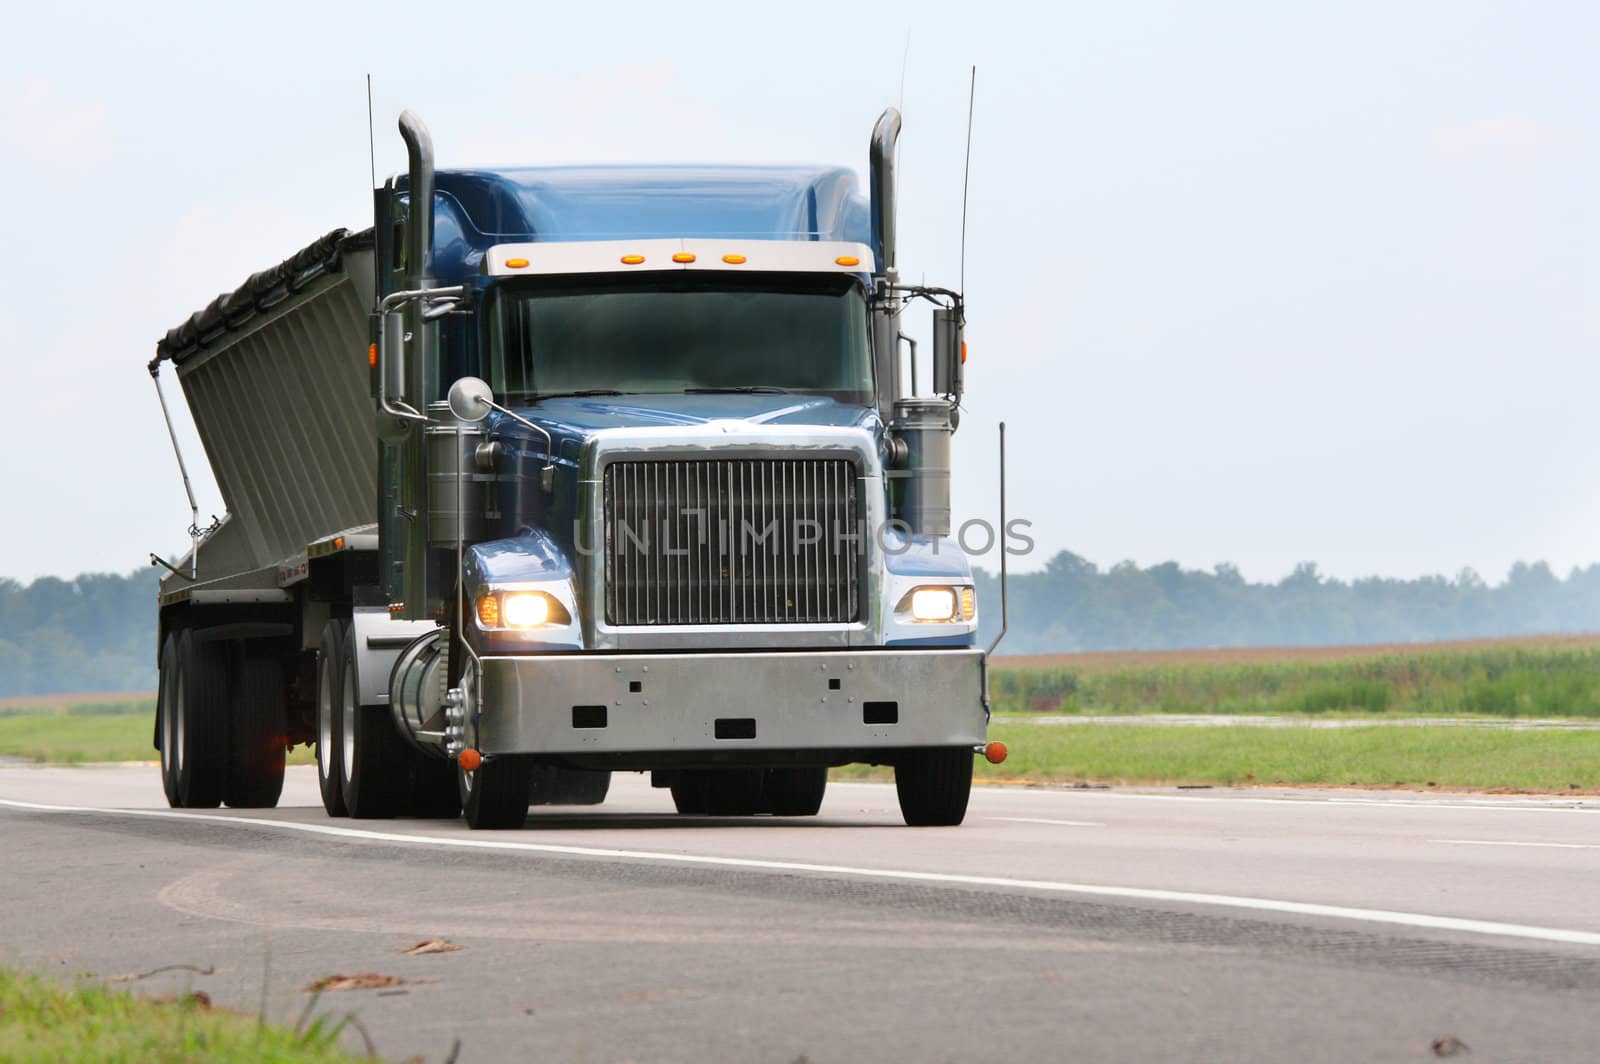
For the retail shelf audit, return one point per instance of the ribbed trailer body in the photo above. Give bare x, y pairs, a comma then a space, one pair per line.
276, 375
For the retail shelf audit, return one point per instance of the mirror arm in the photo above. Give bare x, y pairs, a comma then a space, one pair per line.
392, 302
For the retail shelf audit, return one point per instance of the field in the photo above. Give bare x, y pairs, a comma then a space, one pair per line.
1537, 677
1037, 698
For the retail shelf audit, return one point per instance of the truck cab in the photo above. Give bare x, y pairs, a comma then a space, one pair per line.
650, 496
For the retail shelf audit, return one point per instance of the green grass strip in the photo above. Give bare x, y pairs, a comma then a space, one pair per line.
72, 736
42, 1021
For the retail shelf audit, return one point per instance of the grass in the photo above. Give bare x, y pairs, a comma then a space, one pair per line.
41, 1021
76, 733
1448, 757
1552, 677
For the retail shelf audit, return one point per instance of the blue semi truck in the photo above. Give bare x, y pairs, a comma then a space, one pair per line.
556, 472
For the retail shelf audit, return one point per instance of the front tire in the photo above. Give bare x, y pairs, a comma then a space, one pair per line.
796, 791
495, 795
934, 785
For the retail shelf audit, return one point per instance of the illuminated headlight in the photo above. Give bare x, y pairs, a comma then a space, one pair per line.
520, 609
940, 604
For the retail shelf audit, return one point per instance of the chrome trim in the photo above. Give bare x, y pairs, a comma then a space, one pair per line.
725, 439
670, 703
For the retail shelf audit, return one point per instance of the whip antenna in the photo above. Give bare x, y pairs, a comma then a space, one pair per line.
966, 177
372, 148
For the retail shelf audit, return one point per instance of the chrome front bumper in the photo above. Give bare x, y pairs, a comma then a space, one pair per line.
767, 701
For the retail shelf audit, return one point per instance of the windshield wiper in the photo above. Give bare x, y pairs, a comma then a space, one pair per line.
579, 394
738, 389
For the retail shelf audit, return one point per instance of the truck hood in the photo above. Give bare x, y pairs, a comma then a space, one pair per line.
570, 421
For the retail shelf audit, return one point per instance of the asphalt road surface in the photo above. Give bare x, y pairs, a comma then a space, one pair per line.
1054, 925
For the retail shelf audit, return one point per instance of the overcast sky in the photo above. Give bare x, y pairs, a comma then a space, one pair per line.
1253, 283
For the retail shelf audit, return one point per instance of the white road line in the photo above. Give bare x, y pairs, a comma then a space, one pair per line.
1337, 912
1589, 806
1504, 842
1043, 820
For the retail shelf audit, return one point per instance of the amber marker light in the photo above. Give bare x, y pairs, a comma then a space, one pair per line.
995, 752
969, 604
683, 257
372, 355
963, 352
734, 260
489, 611
516, 264
338, 543
469, 760
847, 260
632, 260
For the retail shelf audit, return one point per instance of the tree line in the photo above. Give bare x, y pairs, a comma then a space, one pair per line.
1072, 604
97, 632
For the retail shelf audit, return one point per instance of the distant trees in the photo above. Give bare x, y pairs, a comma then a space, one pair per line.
93, 633
1072, 604
97, 632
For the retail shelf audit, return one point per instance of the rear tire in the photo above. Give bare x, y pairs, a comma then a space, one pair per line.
375, 762
796, 791
257, 732
330, 733
495, 796
934, 785
192, 702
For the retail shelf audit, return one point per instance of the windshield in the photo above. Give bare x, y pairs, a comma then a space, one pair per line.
682, 332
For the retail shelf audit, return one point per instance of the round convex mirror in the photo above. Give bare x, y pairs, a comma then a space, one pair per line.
471, 399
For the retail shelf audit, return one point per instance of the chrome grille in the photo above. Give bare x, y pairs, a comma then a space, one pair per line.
732, 541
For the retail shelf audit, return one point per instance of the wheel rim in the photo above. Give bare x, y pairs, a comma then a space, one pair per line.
347, 718
324, 718
179, 722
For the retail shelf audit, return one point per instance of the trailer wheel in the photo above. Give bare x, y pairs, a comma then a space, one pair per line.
330, 736
191, 705
435, 794
257, 732
375, 762
934, 785
796, 791
495, 795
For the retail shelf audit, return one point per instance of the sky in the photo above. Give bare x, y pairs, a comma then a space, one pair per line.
1249, 283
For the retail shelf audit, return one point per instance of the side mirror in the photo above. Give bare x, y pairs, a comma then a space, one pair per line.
949, 351
471, 399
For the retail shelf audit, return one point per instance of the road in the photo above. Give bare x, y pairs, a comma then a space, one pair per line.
1055, 924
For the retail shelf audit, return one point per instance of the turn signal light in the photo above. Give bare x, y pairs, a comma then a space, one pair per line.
372, 355
469, 760
489, 611
969, 604
995, 752
683, 256
632, 260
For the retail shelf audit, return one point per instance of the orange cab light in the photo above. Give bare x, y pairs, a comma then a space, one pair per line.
469, 759
632, 260
683, 256
489, 611
516, 264
372, 355
338, 543
848, 260
995, 752
963, 352
734, 260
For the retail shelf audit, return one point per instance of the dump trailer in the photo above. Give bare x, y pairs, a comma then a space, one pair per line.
556, 472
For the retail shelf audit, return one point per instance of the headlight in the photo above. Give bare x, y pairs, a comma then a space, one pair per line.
939, 605
520, 609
